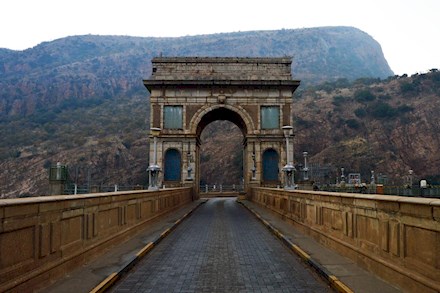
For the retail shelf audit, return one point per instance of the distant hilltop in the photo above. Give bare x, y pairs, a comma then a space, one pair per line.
80, 100
104, 66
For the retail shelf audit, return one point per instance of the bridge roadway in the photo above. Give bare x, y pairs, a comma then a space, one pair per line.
221, 248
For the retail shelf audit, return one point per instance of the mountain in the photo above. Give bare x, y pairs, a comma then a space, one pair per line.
107, 66
80, 100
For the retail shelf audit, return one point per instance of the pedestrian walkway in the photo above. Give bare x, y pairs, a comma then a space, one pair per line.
86, 277
356, 278
221, 248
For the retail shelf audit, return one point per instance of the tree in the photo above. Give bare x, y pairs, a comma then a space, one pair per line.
364, 96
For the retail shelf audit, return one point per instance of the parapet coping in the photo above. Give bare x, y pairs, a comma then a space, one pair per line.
265, 60
222, 82
378, 197
53, 198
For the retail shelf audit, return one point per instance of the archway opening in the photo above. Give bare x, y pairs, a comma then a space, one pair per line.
221, 154
221, 113
222, 133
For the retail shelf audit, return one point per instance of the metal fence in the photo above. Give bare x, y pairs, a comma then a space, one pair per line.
84, 189
348, 189
220, 188
432, 191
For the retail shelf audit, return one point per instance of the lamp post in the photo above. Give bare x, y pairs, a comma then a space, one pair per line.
154, 169
410, 172
254, 168
189, 169
342, 177
288, 169
305, 169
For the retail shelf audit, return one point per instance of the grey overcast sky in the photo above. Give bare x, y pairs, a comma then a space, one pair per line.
408, 30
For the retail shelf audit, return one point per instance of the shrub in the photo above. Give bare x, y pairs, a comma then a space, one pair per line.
47, 164
406, 87
338, 100
301, 122
367, 80
382, 110
353, 123
384, 97
364, 96
14, 153
360, 112
405, 109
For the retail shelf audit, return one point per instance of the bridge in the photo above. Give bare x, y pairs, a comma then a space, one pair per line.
167, 240
269, 237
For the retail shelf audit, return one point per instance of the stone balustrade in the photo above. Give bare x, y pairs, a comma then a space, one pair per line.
397, 238
42, 238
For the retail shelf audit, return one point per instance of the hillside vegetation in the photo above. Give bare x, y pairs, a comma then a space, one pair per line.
386, 125
80, 100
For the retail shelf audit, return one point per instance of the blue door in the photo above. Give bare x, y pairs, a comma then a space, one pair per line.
270, 165
172, 165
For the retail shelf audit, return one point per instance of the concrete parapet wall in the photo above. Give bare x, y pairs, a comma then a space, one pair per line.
43, 238
397, 238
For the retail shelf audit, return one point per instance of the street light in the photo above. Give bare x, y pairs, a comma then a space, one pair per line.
305, 169
254, 168
288, 169
342, 177
254, 164
372, 181
154, 169
189, 168
410, 172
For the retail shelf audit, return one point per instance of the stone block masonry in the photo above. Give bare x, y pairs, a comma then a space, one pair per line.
396, 238
43, 238
196, 91
220, 68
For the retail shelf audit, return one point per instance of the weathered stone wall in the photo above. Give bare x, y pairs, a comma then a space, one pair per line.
184, 68
397, 238
42, 238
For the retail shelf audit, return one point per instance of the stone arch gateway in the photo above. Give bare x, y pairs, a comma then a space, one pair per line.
188, 93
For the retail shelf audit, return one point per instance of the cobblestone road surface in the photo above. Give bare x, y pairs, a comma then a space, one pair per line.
221, 248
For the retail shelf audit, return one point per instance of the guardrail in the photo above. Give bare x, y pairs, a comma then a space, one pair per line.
433, 191
349, 189
213, 188
85, 189
415, 191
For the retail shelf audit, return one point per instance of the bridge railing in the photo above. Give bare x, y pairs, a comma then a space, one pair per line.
221, 188
349, 189
42, 238
85, 189
396, 237
431, 191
